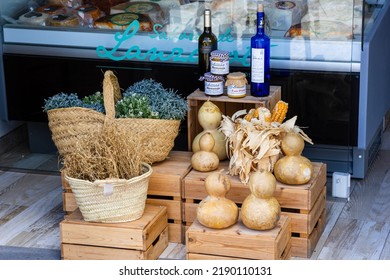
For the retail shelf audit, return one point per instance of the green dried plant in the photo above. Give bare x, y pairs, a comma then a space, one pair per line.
67, 100
166, 102
135, 105
62, 100
94, 102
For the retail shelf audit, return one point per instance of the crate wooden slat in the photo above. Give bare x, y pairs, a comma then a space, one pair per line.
227, 105
167, 176
286, 255
303, 246
303, 222
86, 252
300, 197
138, 234
239, 241
304, 204
69, 203
165, 189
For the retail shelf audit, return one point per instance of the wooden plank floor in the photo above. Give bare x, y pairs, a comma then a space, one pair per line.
31, 209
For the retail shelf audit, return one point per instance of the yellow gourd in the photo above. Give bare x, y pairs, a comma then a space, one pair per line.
293, 168
260, 210
216, 211
205, 159
209, 118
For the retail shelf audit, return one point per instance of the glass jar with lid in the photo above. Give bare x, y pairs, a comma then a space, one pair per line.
219, 62
213, 84
236, 84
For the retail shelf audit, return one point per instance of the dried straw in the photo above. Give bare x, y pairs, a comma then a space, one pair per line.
110, 154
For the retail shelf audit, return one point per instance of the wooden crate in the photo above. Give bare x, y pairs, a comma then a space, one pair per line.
145, 238
239, 242
227, 105
303, 245
165, 189
304, 204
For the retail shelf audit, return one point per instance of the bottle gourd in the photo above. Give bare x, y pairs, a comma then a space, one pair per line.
209, 118
216, 211
205, 159
293, 168
260, 209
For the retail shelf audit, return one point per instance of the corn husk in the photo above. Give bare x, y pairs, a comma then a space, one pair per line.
255, 144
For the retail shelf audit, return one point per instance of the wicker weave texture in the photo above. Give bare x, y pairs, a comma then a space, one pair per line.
112, 200
68, 125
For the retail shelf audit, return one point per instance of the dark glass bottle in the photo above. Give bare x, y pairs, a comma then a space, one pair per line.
207, 43
260, 58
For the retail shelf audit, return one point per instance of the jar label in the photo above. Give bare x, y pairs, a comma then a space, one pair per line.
235, 91
219, 67
213, 88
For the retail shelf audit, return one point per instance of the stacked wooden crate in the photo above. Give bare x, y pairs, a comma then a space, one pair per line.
227, 105
145, 238
165, 189
239, 242
304, 204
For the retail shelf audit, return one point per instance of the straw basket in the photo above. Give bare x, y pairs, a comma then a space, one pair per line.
68, 125
112, 200
158, 136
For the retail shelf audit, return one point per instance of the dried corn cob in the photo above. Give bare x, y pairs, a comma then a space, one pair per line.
264, 115
279, 112
251, 114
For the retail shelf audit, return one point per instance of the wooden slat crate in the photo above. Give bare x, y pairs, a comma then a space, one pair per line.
227, 105
303, 245
304, 204
145, 238
165, 189
239, 242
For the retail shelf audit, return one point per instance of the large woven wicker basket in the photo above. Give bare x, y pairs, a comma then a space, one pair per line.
68, 125
111, 200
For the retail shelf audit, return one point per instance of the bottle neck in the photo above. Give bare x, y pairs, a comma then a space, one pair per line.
207, 21
260, 22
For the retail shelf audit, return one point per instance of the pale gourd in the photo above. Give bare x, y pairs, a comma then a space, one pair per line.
260, 209
293, 168
205, 159
216, 211
209, 118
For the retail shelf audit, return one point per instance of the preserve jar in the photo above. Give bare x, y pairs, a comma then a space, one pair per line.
236, 85
219, 62
213, 84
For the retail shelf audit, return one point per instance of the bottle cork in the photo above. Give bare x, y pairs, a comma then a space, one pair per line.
260, 8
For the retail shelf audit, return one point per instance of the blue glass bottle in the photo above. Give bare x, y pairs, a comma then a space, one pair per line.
260, 58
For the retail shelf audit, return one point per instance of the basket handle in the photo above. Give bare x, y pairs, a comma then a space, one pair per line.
111, 93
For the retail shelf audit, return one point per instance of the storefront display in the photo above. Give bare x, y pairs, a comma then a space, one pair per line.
316, 57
